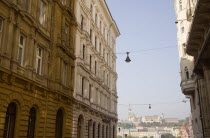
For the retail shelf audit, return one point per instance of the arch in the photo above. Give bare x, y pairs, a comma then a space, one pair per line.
59, 124
9, 128
32, 122
80, 126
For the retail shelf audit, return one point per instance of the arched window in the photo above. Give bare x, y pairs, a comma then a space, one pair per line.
103, 131
107, 132
80, 127
187, 73
31, 123
59, 124
94, 127
113, 131
9, 129
99, 126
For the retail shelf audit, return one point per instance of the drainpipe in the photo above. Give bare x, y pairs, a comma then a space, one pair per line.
201, 115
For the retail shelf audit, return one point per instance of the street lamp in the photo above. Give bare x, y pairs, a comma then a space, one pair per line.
127, 58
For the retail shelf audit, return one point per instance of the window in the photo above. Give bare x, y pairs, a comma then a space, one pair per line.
96, 18
25, 4
91, 8
100, 25
107, 133
184, 50
82, 22
21, 49
100, 48
91, 35
187, 73
182, 29
96, 42
103, 131
59, 124
64, 2
9, 129
99, 130
66, 35
90, 91
113, 132
31, 123
1, 29
90, 62
94, 127
180, 5
80, 127
39, 54
83, 86
83, 52
65, 66
43, 13
95, 67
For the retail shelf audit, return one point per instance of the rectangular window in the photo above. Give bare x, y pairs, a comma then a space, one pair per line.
21, 49
90, 62
1, 29
96, 42
91, 35
83, 86
64, 2
83, 52
25, 4
66, 35
96, 19
182, 29
43, 13
95, 67
180, 5
39, 54
65, 66
90, 92
82, 22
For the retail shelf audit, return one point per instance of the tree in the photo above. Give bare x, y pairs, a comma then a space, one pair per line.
144, 136
167, 136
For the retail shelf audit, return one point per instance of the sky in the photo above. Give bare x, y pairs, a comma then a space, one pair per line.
152, 77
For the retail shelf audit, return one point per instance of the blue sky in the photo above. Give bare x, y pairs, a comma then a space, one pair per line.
152, 77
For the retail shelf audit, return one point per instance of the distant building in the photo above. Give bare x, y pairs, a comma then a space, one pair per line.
171, 120
152, 119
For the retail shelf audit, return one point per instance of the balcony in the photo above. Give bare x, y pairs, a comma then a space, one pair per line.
188, 87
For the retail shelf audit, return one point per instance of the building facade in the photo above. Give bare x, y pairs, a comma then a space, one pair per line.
95, 109
36, 68
196, 85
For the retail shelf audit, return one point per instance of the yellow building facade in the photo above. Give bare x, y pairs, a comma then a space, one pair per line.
36, 68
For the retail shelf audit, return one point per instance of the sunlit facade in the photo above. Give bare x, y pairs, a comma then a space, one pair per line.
95, 112
36, 68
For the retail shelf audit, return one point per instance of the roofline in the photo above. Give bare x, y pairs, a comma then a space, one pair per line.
118, 31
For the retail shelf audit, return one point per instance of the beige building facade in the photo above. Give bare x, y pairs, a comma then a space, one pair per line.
36, 68
95, 109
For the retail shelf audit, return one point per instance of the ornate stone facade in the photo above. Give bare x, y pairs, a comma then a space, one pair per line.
95, 112
184, 12
37, 42
197, 46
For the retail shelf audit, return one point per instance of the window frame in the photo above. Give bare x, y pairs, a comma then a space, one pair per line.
39, 57
43, 13
21, 46
32, 123
65, 73
1, 29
